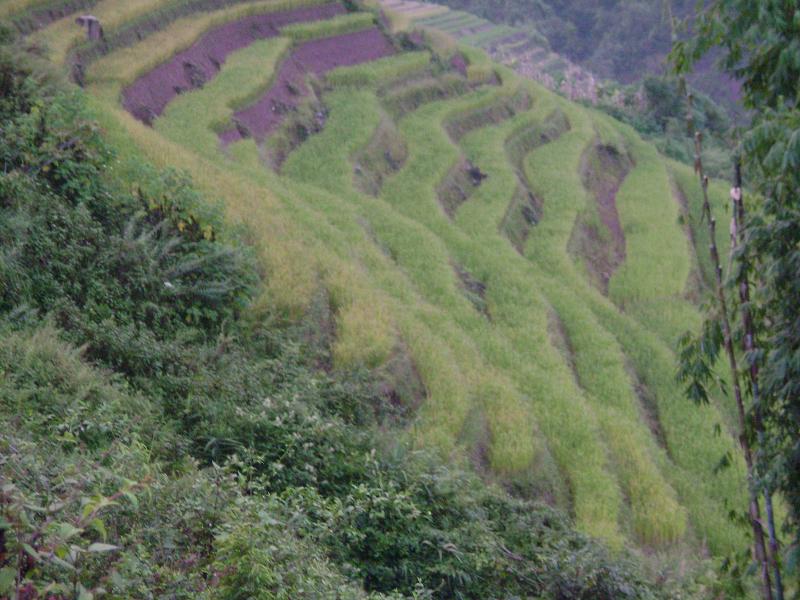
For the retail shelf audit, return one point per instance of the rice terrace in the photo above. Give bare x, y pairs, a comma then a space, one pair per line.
511, 268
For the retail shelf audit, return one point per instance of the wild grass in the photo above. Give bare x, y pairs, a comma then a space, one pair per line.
13, 8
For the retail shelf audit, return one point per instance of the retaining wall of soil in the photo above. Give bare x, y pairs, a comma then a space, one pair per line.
149, 95
603, 170
525, 209
316, 57
494, 114
458, 185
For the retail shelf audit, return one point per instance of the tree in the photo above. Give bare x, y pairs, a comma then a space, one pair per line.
760, 46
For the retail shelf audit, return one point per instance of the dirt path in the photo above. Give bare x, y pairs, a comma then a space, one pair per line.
316, 57
149, 95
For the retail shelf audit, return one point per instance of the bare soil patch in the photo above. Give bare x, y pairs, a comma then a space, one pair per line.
473, 288
648, 409
400, 384
526, 140
149, 95
523, 213
603, 170
317, 58
695, 284
405, 97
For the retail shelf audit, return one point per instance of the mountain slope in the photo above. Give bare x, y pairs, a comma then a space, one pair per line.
450, 220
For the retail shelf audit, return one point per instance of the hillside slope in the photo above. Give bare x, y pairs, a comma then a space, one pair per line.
516, 267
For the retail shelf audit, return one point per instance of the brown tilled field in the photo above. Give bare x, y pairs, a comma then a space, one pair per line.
316, 57
149, 95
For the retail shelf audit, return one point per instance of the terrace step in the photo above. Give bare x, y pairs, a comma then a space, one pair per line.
147, 97
290, 87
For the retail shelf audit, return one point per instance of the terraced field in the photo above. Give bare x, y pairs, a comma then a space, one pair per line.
516, 266
525, 51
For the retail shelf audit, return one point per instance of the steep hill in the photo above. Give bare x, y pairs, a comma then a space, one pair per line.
515, 267
620, 41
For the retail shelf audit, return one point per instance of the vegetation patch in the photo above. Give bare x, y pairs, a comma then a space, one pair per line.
458, 126
384, 155
497, 390
458, 185
474, 289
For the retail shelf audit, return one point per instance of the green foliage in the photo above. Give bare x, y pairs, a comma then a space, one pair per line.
759, 46
163, 445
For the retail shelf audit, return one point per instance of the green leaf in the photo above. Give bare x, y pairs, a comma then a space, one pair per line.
66, 531
130, 497
61, 562
7, 580
85, 594
99, 527
98, 547
31, 551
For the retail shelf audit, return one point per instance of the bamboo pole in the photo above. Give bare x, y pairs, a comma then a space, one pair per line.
749, 346
754, 510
